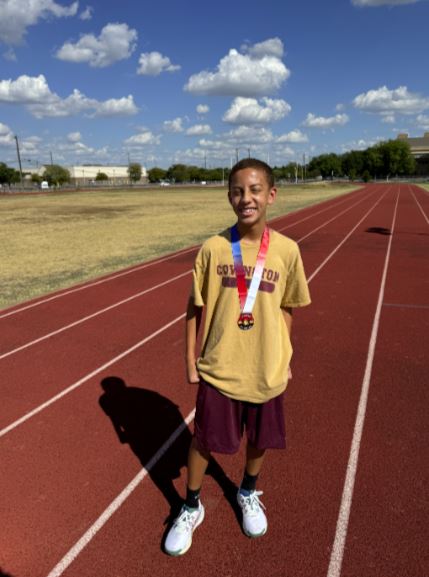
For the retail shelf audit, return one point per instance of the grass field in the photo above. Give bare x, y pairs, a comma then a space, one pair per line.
55, 240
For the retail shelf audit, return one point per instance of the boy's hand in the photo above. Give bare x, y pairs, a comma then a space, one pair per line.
192, 373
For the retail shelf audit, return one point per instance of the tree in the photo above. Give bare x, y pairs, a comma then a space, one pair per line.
8, 175
135, 171
326, 164
156, 174
179, 173
56, 175
101, 176
397, 158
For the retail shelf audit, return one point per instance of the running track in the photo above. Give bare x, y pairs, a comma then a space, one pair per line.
349, 497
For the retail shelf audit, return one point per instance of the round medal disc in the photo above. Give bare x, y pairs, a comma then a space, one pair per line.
245, 321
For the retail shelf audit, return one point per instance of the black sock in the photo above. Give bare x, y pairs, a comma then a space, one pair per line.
192, 498
248, 483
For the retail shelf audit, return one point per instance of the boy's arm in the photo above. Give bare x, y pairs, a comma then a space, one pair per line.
193, 321
287, 315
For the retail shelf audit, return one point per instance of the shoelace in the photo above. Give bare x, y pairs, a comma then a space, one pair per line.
185, 521
252, 504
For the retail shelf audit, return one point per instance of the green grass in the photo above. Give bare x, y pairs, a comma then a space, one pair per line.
55, 240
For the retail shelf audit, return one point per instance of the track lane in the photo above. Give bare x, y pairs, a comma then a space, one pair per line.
237, 547
388, 532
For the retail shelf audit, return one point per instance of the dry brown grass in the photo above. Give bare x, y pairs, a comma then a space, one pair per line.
54, 240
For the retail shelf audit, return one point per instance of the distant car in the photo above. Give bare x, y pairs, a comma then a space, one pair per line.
44, 185
164, 183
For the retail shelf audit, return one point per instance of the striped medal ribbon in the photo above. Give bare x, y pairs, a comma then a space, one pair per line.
247, 297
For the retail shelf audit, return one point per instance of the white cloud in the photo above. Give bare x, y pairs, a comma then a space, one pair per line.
313, 121
270, 47
10, 55
199, 130
295, 136
74, 136
35, 94
153, 63
173, 125
18, 15
247, 135
143, 139
372, 3
388, 118
250, 111
116, 107
6, 136
423, 122
87, 13
203, 109
383, 100
116, 42
256, 73
25, 89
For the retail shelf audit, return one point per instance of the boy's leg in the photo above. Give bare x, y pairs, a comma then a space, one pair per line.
254, 519
179, 537
198, 461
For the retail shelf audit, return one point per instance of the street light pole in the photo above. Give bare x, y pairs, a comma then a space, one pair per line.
19, 158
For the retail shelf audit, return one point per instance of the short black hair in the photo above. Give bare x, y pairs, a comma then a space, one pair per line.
252, 163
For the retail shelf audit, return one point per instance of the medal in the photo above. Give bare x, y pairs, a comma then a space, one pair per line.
245, 321
247, 297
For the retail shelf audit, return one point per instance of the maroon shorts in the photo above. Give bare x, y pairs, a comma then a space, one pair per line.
220, 422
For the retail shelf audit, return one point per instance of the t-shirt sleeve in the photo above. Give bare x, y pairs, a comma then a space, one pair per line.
296, 292
199, 288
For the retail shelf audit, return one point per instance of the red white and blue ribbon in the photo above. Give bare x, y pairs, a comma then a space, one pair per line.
248, 297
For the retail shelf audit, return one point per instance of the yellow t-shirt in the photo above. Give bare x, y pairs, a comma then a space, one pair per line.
247, 365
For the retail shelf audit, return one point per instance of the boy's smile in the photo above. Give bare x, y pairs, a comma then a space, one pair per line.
249, 195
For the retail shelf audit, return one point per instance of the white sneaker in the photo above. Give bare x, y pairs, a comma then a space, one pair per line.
254, 519
179, 538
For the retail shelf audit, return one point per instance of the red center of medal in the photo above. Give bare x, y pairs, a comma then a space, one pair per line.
245, 321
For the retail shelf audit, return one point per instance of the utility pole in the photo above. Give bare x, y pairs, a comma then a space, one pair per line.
52, 162
19, 158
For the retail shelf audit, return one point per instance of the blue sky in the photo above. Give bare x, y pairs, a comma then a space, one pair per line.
201, 83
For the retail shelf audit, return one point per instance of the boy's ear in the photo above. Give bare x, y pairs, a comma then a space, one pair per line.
272, 195
229, 197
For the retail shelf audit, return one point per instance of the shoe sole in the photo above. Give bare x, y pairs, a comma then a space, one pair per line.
188, 546
255, 535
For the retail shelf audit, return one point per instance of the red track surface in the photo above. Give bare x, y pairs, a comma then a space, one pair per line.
357, 404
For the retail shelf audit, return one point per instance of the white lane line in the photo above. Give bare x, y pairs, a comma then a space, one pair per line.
109, 363
330, 220
117, 502
328, 258
128, 299
93, 315
89, 284
337, 553
291, 225
87, 377
420, 207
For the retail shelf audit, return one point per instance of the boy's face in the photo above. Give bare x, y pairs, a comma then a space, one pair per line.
249, 195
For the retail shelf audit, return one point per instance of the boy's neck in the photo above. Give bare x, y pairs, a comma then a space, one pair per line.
251, 234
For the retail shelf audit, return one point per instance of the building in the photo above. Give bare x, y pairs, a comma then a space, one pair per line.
85, 175
418, 146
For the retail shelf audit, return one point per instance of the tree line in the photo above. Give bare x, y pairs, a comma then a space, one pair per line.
384, 160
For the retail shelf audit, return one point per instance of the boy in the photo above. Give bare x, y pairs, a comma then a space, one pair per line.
248, 278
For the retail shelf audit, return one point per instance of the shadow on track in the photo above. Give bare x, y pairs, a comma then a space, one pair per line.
3, 574
146, 420
379, 230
